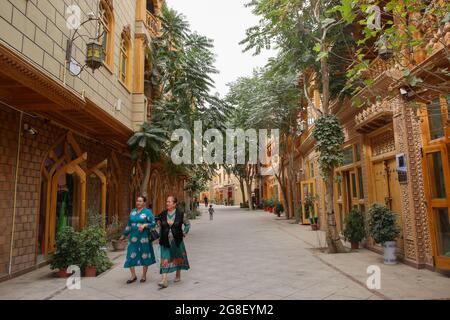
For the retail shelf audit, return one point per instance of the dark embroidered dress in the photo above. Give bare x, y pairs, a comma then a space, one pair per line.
173, 250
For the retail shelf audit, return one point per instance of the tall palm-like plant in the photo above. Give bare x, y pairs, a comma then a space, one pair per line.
147, 144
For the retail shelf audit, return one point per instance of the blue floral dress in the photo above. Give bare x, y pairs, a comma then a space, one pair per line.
140, 250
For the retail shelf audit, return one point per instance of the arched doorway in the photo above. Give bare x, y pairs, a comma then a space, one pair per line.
63, 192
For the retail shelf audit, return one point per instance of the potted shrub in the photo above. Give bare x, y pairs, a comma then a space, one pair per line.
67, 251
384, 230
354, 230
310, 214
93, 240
114, 232
278, 208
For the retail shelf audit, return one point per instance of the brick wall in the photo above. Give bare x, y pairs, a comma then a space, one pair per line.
33, 151
8, 151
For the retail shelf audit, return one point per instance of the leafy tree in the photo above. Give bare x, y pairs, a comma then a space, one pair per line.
400, 32
312, 39
147, 144
178, 80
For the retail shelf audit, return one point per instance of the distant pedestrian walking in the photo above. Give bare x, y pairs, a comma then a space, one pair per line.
205, 199
211, 211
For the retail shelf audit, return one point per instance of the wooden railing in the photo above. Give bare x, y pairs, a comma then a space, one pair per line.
377, 67
152, 23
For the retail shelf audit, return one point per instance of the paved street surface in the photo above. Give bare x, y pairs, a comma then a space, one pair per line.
247, 255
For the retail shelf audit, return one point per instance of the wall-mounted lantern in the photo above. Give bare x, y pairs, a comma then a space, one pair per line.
94, 50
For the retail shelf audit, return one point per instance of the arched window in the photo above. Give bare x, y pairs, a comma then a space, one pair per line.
125, 57
107, 19
63, 191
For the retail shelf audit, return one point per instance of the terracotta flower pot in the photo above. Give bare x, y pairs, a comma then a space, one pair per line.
62, 273
355, 245
119, 245
90, 272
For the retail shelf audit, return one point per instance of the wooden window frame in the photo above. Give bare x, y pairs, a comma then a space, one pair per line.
125, 51
107, 17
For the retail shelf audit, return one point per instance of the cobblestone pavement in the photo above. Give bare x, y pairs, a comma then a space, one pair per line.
246, 255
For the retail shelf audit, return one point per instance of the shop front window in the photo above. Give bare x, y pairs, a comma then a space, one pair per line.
354, 193
436, 175
361, 185
442, 223
348, 156
435, 122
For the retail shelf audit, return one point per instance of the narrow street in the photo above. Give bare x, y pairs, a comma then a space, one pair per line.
246, 255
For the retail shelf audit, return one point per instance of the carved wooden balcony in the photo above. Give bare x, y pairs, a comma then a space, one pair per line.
377, 67
373, 117
152, 24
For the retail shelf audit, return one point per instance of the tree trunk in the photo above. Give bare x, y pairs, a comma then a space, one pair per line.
145, 181
334, 242
293, 184
249, 193
241, 185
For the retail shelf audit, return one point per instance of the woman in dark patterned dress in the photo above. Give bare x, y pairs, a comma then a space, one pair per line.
173, 251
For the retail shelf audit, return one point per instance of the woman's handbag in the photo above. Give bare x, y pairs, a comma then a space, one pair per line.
153, 235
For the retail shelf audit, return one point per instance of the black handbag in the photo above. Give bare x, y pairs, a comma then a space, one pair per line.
153, 235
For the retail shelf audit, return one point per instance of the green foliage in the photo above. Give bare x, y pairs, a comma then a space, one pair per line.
244, 205
329, 139
68, 244
382, 224
83, 249
304, 33
148, 142
432, 14
309, 206
354, 230
93, 241
192, 215
278, 207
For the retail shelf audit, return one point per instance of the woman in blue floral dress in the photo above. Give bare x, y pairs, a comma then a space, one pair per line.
140, 250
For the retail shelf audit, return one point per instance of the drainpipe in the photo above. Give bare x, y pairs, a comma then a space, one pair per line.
15, 193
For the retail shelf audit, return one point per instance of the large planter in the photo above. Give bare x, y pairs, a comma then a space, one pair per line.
355, 245
118, 245
389, 248
62, 273
90, 272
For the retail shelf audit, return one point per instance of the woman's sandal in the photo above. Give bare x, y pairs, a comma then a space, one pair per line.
143, 280
163, 284
177, 280
132, 280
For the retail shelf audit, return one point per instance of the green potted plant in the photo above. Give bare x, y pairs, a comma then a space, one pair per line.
271, 204
310, 212
93, 240
384, 230
278, 208
67, 251
354, 230
114, 231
